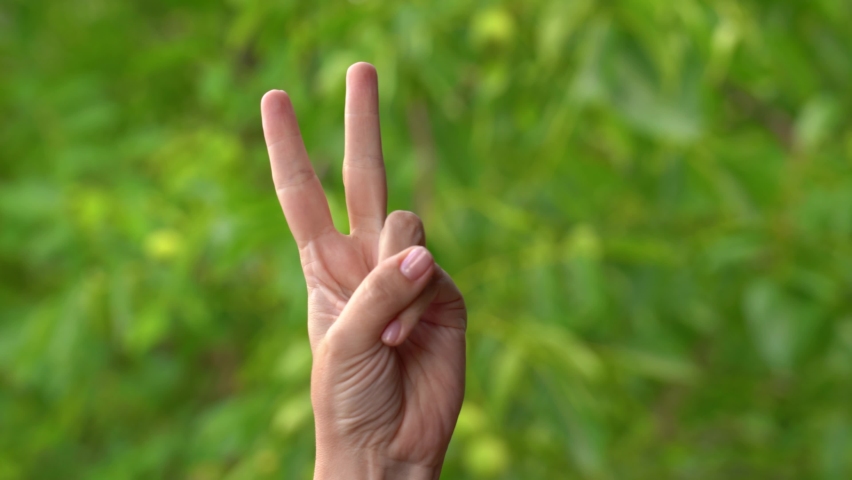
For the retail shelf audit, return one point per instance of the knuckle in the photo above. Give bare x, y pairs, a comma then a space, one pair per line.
404, 218
402, 222
295, 178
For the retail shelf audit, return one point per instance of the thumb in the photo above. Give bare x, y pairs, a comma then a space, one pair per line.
385, 292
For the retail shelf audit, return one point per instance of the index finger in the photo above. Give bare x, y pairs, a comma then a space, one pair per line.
299, 190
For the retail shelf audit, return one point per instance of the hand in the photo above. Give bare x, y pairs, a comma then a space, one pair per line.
386, 324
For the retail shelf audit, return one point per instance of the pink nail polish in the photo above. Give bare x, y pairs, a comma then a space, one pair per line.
391, 333
416, 263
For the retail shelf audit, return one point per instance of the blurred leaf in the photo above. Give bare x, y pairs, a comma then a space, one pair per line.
494, 24
816, 121
657, 367
293, 413
780, 327
486, 456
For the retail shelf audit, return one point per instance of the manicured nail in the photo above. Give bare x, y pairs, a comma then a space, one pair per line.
391, 332
416, 263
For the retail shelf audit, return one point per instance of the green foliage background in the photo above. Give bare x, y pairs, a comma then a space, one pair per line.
648, 205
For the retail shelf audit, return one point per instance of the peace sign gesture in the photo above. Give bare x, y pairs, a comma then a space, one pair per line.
386, 324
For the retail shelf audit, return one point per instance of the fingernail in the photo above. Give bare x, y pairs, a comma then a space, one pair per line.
391, 332
416, 263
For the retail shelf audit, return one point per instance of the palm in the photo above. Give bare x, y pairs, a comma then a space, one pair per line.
334, 265
404, 399
428, 367
423, 379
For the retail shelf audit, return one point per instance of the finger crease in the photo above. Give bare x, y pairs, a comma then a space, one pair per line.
301, 178
365, 163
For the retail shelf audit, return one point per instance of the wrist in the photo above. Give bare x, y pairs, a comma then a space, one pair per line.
368, 465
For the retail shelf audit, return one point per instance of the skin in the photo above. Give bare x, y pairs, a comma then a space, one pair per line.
387, 335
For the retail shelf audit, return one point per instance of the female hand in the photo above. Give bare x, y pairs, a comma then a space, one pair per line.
386, 324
